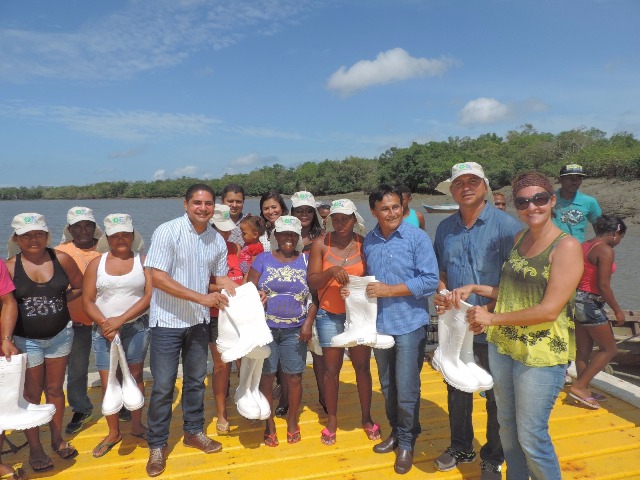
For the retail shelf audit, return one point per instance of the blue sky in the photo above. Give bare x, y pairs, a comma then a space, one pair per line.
145, 89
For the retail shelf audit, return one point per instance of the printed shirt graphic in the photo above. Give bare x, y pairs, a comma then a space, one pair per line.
286, 287
571, 216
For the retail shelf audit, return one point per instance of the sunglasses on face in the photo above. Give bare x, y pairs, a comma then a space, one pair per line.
539, 200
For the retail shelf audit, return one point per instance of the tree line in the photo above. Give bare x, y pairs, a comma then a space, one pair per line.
421, 167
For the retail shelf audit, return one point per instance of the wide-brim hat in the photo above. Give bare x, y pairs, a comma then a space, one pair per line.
346, 207
25, 223
287, 223
466, 168
222, 218
79, 214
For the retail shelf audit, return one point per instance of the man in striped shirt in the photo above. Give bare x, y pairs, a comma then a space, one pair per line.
184, 254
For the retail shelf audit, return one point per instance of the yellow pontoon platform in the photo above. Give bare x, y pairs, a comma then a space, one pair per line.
600, 444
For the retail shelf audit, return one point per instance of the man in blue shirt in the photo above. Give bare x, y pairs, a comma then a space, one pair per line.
471, 245
184, 254
574, 208
401, 258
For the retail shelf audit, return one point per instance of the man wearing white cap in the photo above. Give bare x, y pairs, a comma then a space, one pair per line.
573, 208
471, 245
79, 240
401, 258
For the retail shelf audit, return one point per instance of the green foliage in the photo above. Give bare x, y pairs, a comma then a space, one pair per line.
420, 166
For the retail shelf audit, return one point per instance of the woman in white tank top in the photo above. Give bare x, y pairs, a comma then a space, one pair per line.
117, 296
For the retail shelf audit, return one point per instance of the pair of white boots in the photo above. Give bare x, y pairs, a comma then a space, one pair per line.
116, 395
243, 334
360, 324
454, 356
15, 412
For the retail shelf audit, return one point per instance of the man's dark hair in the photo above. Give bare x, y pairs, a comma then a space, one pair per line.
233, 188
378, 194
198, 187
404, 191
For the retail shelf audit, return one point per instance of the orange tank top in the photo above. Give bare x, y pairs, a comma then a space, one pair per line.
329, 295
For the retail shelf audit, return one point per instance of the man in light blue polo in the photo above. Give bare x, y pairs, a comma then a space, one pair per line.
573, 208
401, 258
184, 254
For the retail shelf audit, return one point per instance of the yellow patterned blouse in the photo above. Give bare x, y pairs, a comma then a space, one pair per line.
522, 285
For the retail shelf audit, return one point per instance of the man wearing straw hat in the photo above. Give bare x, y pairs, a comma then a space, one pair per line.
79, 240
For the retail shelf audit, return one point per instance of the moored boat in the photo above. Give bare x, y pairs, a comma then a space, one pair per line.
443, 208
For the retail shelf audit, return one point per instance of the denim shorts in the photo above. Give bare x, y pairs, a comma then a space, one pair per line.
135, 338
287, 349
39, 349
328, 326
590, 310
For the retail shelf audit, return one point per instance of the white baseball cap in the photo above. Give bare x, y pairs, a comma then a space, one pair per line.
116, 223
222, 218
78, 214
466, 168
303, 198
287, 223
25, 223
346, 207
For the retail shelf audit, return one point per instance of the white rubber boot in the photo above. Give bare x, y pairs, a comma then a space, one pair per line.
131, 395
246, 403
452, 329
467, 357
242, 325
360, 324
112, 401
15, 412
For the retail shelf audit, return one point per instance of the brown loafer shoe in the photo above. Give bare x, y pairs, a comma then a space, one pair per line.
404, 461
157, 461
386, 446
201, 442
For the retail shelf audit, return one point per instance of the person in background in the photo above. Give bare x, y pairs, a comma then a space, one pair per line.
272, 206
323, 210
184, 253
409, 214
8, 317
573, 208
333, 258
592, 324
281, 277
223, 224
233, 197
252, 228
402, 259
80, 237
45, 281
471, 245
116, 296
530, 332
499, 201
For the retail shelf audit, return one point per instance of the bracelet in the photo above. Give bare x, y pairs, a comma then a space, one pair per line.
8, 337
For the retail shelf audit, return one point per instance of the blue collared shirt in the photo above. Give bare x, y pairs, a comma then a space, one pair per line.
405, 257
475, 254
571, 216
190, 258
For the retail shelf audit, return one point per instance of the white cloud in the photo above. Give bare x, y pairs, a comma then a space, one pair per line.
484, 111
159, 175
186, 171
140, 37
391, 66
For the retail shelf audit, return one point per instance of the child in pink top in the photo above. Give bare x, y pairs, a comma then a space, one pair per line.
252, 227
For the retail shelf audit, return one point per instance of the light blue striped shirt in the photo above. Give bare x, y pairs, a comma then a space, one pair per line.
405, 257
190, 259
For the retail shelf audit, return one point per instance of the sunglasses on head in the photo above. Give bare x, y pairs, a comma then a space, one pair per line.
539, 199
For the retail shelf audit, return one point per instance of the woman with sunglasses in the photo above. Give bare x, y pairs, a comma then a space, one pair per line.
530, 331
592, 324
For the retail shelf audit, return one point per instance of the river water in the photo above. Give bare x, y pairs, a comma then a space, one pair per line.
147, 214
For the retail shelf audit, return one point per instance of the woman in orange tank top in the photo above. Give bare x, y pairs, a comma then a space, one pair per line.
333, 258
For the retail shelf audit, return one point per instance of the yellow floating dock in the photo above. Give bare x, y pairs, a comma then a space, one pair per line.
600, 444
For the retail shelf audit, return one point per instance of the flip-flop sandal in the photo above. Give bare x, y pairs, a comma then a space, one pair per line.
271, 440
222, 427
589, 402
373, 433
294, 437
327, 438
18, 473
599, 397
67, 452
41, 464
105, 447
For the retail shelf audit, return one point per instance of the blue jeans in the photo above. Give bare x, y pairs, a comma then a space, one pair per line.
399, 373
168, 345
460, 410
78, 369
525, 396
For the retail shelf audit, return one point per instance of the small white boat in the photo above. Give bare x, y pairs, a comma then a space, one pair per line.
444, 208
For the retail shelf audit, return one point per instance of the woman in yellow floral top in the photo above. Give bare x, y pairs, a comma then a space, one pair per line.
530, 333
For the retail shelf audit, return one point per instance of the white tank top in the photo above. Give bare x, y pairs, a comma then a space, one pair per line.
116, 294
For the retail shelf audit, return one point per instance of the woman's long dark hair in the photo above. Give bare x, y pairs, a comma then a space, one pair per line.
315, 229
272, 194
